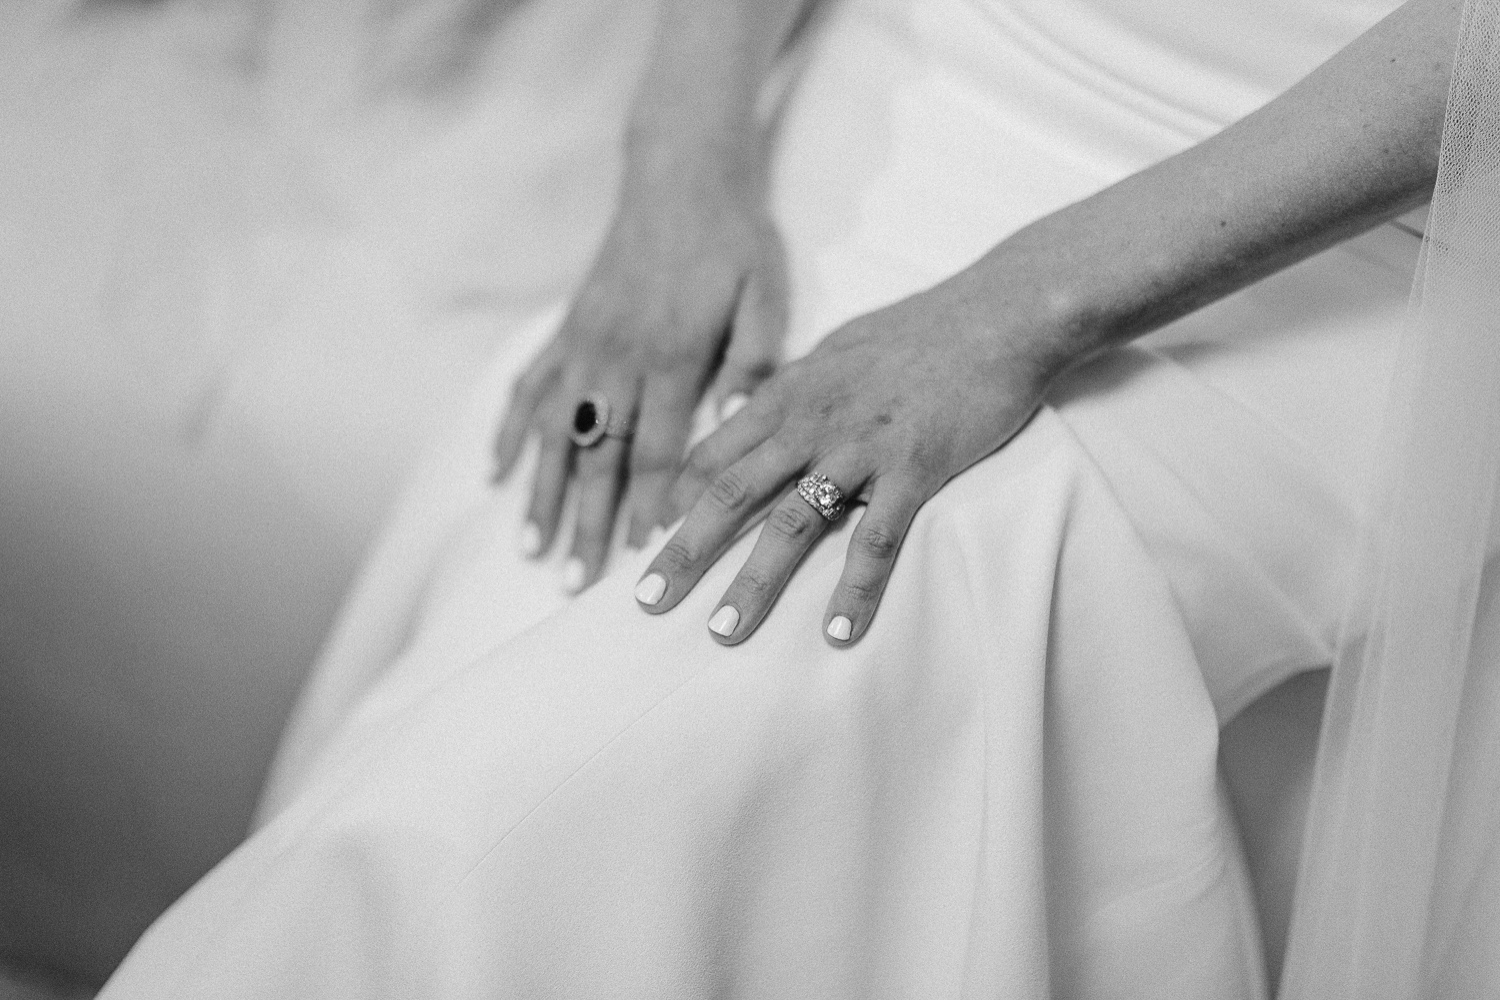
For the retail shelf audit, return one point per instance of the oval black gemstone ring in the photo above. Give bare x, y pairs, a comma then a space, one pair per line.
593, 421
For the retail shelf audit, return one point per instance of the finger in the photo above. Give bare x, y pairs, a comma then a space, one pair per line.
872, 554
737, 494
656, 454
756, 336
599, 471
549, 484
734, 440
527, 393
790, 530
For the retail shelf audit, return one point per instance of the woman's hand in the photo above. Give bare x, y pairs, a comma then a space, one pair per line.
889, 407
687, 290
896, 403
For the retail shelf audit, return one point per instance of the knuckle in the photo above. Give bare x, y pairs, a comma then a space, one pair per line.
924, 462
791, 524
729, 491
677, 554
877, 542
863, 589
754, 585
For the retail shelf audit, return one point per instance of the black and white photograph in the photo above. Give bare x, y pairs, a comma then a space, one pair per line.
749, 499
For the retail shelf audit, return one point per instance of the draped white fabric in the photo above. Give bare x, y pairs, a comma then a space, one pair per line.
1400, 887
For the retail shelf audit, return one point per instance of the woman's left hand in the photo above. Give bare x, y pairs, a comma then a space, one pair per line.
889, 407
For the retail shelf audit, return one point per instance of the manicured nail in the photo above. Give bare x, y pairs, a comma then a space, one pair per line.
650, 589
840, 628
724, 621
573, 572
657, 536
732, 404
530, 541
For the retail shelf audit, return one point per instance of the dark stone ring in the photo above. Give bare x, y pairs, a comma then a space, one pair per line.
593, 421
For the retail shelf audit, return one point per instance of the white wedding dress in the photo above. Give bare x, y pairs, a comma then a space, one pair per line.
1009, 786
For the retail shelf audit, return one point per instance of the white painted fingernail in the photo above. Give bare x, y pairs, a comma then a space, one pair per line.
530, 541
657, 536
724, 620
840, 628
650, 589
573, 573
732, 404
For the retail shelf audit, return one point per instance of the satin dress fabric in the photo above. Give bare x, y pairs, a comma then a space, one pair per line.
1009, 785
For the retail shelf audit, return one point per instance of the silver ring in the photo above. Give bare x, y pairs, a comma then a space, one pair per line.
594, 420
821, 495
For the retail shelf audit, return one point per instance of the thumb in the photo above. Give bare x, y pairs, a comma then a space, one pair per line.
755, 339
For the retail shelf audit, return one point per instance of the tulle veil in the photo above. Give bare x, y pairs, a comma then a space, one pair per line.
1399, 893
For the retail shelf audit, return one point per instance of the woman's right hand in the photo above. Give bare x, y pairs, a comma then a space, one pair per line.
686, 296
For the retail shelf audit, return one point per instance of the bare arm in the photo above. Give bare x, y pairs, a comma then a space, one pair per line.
1348, 147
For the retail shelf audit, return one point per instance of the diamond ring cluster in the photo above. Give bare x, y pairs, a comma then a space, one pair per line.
821, 495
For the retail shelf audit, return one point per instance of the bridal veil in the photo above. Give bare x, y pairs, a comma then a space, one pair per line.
1399, 893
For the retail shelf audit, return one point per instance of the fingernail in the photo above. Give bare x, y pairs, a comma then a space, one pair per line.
657, 536
530, 542
573, 575
724, 620
733, 403
840, 628
650, 589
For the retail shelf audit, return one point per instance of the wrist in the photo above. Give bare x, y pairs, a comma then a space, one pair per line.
1038, 314
701, 152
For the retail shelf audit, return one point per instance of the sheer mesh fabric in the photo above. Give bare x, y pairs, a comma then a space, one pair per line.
1398, 885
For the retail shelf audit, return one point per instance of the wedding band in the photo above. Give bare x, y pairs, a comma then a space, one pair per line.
821, 495
593, 421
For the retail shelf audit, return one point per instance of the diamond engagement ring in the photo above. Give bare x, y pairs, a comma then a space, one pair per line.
821, 495
593, 421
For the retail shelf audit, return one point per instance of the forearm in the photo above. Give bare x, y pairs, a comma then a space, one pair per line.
1353, 144
699, 94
